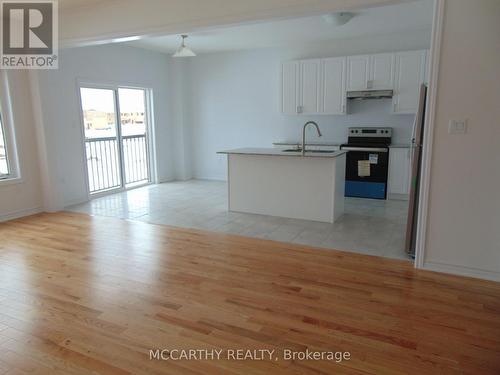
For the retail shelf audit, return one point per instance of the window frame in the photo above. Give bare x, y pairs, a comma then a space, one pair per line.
8, 133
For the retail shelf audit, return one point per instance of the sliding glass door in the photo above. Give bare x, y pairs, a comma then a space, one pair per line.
116, 146
133, 122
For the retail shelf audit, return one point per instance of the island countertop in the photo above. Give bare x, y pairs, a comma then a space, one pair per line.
278, 152
311, 143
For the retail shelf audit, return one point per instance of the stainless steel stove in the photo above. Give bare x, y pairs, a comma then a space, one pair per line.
367, 162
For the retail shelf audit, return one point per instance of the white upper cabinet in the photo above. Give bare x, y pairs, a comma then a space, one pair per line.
289, 88
318, 86
370, 72
309, 87
410, 73
314, 86
381, 75
358, 71
333, 82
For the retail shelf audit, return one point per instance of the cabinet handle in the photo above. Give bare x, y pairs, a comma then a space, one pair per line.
394, 107
343, 108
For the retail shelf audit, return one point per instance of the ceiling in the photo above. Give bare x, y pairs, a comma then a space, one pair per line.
411, 16
72, 4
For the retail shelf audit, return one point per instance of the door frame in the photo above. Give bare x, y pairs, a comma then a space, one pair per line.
151, 151
429, 125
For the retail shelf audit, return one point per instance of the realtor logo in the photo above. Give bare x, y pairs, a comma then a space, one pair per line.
29, 34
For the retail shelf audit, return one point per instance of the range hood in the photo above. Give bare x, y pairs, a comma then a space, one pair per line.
370, 94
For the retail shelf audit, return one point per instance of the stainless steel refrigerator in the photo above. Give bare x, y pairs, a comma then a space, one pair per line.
416, 161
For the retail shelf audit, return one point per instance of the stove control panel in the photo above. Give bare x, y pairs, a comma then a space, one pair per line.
370, 132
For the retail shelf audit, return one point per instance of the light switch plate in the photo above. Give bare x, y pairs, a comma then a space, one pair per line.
457, 127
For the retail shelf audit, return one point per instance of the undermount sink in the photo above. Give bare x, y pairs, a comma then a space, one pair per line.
307, 151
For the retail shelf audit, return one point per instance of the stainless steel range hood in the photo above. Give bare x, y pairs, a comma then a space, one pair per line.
370, 94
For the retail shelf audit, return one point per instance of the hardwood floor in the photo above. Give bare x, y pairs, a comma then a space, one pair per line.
92, 295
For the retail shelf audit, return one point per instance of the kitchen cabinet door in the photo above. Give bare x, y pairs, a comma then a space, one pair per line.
358, 68
399, 172
381, 72
309, 86
410, 73
290, 88
333, 82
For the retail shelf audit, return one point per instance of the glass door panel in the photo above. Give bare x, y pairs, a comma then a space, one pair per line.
102, 149
133, 122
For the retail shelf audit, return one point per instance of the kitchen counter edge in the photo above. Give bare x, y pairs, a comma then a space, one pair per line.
278, 152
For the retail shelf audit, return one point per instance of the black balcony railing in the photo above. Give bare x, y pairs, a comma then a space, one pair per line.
103, 162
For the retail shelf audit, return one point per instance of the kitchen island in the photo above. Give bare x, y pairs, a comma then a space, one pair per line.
287, 183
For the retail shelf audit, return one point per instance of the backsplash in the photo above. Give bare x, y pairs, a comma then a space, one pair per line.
366, 113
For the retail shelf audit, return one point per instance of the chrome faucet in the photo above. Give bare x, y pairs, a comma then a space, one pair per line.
304, 134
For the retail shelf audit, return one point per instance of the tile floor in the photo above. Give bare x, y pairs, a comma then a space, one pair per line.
368, 226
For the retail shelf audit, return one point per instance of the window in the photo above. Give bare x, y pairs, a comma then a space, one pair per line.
8, 156
4, 161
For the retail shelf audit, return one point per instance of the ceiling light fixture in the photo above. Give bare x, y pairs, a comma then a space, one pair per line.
184, 51
338, 19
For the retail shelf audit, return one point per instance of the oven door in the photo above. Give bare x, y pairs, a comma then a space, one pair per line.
366, 172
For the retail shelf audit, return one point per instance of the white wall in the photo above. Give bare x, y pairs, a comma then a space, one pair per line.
61, 117
22, 198
463, 234
178, 71
234, 100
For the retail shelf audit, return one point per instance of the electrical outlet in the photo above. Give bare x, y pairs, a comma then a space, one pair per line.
457, 127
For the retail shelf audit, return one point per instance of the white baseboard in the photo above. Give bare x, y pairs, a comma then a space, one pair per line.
462, 271
20, 213
210, 178
74, 202
163, 180
399, 197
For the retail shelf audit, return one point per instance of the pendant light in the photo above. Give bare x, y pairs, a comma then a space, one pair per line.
339, 18
184, 51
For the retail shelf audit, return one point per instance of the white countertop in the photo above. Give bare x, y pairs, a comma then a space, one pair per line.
278, 152
291, 143
332, 144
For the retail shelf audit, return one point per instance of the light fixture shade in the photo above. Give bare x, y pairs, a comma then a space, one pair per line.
338, 19
184, 51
